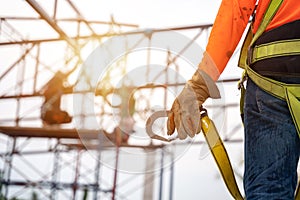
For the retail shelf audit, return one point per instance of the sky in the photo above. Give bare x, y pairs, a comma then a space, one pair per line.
195, 177
146, 14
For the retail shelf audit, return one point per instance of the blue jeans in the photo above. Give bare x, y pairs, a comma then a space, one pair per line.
272, 147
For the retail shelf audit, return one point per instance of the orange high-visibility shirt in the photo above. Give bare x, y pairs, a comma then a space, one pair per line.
232, 19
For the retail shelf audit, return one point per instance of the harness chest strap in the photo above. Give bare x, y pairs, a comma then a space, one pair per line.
251, 53
274, 49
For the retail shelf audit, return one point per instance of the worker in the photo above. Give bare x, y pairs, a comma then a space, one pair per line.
271, 128
51, 112
120, 135
125, 128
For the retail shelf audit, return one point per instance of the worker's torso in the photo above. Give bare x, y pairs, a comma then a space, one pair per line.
285, 25
289, 11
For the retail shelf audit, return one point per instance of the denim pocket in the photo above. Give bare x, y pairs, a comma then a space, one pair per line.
272, 107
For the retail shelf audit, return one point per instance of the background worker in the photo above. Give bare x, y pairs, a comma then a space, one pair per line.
125, 111
51, 113
272, 143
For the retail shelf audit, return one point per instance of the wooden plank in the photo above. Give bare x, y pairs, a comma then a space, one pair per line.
48, 132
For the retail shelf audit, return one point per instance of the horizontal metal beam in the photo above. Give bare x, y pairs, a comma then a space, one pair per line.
50, 184
116, 90
7, 18
97, 36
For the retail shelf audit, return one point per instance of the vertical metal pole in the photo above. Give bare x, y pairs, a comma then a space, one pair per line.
171, 176
115, 173
77, 168
9, 161
149, 177
36, 70
55, 171
19, 88
55, 10
161, 180
149, 36
97, 167
118, 143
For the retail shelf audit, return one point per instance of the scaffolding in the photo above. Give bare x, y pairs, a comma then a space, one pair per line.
77, 160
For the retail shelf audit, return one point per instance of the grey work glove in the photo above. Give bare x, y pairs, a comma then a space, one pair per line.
185, 111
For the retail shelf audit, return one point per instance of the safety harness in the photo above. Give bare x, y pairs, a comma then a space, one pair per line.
251, 53
287, 92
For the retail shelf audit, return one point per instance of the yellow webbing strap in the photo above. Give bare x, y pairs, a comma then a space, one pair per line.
297, 196
250, 38
275, 49
214, 142
288, 92
220, 155
269, 14
216, 147
244, 50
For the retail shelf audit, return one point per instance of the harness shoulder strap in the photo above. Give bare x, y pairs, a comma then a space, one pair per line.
269, 14
244, 50
250, 38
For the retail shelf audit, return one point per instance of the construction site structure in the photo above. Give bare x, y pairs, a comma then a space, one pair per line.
63, 114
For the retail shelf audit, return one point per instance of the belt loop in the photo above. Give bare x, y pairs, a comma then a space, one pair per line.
250, 55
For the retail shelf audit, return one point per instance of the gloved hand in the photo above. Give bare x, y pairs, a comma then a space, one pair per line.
185, 111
